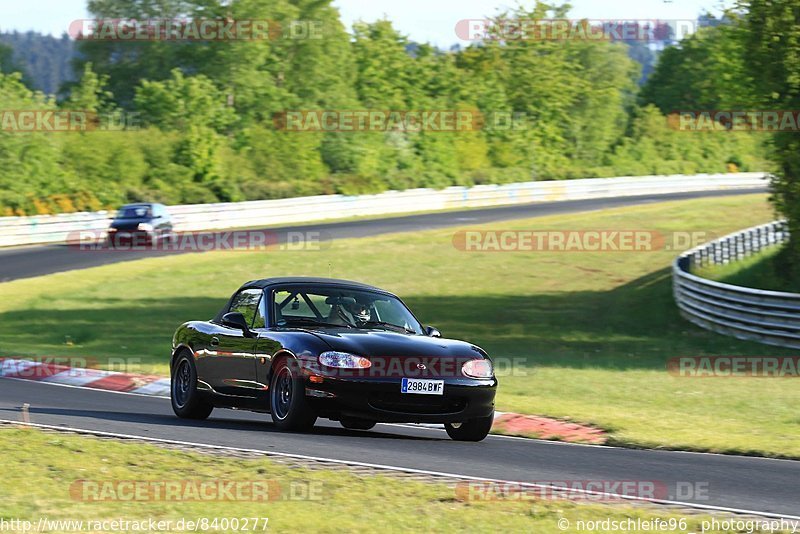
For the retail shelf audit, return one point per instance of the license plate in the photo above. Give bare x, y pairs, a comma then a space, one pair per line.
420, 386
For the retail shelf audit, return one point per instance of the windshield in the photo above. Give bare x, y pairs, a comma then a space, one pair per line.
324, 306
134, 212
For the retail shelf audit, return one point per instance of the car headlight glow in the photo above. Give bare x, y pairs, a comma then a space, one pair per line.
478, 369
343, 360
145, 227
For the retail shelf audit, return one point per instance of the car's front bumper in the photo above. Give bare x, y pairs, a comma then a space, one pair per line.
131, 237
380, 399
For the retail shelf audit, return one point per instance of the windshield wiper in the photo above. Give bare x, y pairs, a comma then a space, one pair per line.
391, 325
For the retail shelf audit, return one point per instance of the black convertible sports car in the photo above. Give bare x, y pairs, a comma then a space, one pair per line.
302, 348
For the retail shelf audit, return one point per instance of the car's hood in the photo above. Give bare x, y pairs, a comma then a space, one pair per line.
378, 343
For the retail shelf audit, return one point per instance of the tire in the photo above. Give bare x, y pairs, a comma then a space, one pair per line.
186, 400
357, 424
472, 430
287, 395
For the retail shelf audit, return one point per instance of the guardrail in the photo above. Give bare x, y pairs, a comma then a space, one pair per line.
770, 317
202, 217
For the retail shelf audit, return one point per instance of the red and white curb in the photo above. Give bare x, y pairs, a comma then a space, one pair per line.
53, 373
507, 423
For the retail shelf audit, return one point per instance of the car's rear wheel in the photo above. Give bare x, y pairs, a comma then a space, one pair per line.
357, 424
186, 400
288, 404
471, 430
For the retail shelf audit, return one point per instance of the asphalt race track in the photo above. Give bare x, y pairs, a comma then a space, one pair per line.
26, 262
732, 482
755, 484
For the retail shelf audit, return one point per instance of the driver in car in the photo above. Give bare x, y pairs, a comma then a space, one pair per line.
348, 311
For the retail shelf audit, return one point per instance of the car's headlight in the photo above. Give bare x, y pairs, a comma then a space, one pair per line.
144, 227
478, 369
112, 230
343, 360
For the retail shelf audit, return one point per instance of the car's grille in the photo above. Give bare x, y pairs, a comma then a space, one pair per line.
421, 404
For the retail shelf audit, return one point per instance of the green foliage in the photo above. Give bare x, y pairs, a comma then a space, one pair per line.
90, 94
7, 64
772, 51
205, 128
707, 72
655, 148
30, 161
181, 102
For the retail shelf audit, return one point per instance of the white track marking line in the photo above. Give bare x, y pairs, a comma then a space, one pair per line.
490, 436
402, 469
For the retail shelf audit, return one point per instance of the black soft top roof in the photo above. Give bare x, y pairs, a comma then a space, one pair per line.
288, 280
283, 280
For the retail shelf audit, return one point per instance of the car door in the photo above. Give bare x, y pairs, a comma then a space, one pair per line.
232, 360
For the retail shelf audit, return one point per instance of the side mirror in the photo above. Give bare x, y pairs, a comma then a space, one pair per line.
237, 320
432, 331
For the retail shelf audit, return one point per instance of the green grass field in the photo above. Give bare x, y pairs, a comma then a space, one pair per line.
42, 470
765, 270
593, 330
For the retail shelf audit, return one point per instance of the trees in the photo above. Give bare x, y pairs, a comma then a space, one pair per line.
30, 161
43, 60
707, 71
204, 128
772, 52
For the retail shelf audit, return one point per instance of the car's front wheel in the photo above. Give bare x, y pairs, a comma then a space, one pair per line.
186, 400
288, 404
471, 430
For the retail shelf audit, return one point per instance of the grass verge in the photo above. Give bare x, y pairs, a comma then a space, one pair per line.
765, 270
50, 476
591, 331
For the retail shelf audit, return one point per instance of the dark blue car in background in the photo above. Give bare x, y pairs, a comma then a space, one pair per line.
140, 224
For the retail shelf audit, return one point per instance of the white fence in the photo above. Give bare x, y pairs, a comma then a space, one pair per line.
769, 317
60, 228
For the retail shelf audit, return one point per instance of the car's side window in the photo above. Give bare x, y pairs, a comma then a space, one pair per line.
260, 319
247, 303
